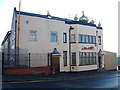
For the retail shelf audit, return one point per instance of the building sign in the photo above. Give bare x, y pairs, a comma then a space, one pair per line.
87, 48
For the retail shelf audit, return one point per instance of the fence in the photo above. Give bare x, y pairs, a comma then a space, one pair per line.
0, 62
25, 60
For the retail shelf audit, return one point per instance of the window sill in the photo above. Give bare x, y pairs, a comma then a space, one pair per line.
73, 65
87, 64
53, 42
86, 43
73, 42
65, 65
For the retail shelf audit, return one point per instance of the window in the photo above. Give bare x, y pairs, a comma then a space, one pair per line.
87, 58
87, 38
64, 38
90, 38
65, 58
33, 35
73, 38
53, 37
99, 40
83, 38
84, 58
94, 58
94, 39
80, 58
74, 58
79, 38
91, 58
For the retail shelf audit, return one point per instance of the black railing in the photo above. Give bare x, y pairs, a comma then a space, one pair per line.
24, 60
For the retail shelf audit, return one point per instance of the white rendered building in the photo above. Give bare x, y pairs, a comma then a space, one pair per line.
49, 35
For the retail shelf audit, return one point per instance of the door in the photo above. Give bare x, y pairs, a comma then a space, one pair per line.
55, 63
99, 62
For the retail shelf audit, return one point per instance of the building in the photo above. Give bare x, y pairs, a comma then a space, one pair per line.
110, 61
52, 38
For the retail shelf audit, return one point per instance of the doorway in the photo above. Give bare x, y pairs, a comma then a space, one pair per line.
99, 62
55, 62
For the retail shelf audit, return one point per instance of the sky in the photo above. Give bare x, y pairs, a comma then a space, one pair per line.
103, 11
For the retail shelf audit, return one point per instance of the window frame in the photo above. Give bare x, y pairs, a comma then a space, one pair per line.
64, 37
86, 38
79, 38
90, 39
94, 39
83, 38
87, 58
99, 40
74, 38
73, 59
31, 34
65, 58
56, 37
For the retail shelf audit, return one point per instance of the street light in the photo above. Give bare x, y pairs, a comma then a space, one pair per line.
70, 28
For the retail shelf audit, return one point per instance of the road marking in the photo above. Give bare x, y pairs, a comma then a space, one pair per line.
45, 80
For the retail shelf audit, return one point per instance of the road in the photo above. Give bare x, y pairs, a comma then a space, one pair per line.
103, 80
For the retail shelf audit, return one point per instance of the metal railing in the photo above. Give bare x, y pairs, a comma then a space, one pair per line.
25, 60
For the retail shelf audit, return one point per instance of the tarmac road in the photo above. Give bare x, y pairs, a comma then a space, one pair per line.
101, 80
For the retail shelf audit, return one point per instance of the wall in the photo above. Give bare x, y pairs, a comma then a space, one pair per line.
42, 45
110, 61
34, 70
44, 27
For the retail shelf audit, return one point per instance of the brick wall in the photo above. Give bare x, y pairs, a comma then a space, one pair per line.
33, 70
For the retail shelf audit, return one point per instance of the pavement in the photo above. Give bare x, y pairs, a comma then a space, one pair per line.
51, 77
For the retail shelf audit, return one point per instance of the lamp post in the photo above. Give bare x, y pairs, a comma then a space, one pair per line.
70, 28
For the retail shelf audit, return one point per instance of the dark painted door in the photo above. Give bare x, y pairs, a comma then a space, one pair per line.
99, 61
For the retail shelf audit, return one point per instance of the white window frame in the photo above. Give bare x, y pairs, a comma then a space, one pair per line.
56, 36
32, 35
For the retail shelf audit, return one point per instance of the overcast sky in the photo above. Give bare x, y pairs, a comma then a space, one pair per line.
104, 11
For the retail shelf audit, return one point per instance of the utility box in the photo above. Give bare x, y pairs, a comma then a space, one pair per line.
110, 61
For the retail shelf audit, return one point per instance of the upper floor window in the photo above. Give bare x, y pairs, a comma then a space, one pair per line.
73, 38
86, 38
53, 37
91, 39
79, 38
64, 37
99, 40
83, 38
94, 39
33, 35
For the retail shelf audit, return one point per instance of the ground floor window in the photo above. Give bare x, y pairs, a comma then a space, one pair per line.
87, 58
65, 58
73, 58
